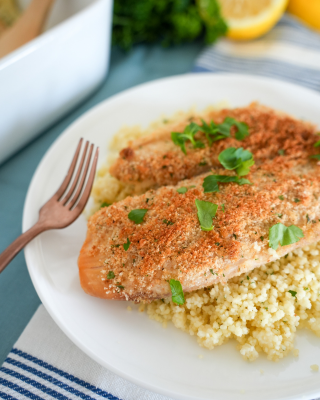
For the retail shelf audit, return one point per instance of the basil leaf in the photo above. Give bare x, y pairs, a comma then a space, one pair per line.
110, 275
238, 159
206, 211
182, 190
137, 215
177, 292
126, 245
210, 183
284, 234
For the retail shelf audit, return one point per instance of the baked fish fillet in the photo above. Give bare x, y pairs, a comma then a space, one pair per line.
156, 161
169, 243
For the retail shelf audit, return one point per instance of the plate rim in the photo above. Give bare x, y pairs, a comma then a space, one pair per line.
52, 148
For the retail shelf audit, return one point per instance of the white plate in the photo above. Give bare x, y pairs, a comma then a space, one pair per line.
129, 344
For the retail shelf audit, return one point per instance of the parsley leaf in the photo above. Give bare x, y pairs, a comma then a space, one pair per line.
165, 221
317, 156
242, 128
182, 190
189, 132
210, 183
281, 197
238, 159
110, 275
293, 293
137, 215
126, 245
284, 234
317, 144
105, 204
206, 211
177, 292
281, 152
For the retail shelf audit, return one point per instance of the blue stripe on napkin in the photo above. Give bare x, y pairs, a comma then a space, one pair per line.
25, 375
290, 52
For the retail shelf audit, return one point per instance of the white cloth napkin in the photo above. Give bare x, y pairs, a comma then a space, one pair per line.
44, 363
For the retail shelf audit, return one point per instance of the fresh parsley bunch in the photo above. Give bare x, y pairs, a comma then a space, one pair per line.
170, 21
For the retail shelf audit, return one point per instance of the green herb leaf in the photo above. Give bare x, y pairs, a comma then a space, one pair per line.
120, 287
137, 215
182, 190
281, 197
222, 207
210, 183
105, 204
126, 245
317, 144
293, 293
177, 292
238, 159
242, 128
213, 273
110, 275
316, 156
296, 200
206, 211
189, 132
165, 221
281, 152
284, 234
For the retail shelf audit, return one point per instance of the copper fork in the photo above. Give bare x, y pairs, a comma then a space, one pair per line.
65, 205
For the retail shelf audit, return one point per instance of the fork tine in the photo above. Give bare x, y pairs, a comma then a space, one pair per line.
68, 177
67, 197
86, 193
76, 196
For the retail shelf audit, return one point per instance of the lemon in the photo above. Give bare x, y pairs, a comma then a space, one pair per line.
249, 19
308, 11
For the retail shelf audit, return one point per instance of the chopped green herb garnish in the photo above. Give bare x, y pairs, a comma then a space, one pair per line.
206, 211
210, 183
105, 204
234, 235
316, 156
284, 234
126, 245
280, 215
120, 287
213, 273
281, 197
238, 159
281, 152
217, 244
165, 221
222, 207
216, 132
262, 238
189, 132
203, 163
306, 288
137, 215
115, 245
317, 144
293, 293
177, 292
182, 190
248, 277
110, 275
308, 219
296, 200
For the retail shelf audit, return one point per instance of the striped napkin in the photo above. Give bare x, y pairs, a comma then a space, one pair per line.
44, 363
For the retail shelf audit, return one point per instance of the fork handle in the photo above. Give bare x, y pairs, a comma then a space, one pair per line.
13, 249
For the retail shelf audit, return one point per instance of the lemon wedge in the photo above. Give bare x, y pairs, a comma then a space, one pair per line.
308, 11
249, 19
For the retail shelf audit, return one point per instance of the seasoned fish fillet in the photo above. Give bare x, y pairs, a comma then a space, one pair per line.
169, 243
155, 160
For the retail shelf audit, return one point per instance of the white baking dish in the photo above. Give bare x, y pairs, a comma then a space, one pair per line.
45, 78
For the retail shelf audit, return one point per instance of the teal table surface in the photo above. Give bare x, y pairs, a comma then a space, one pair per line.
18, 299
